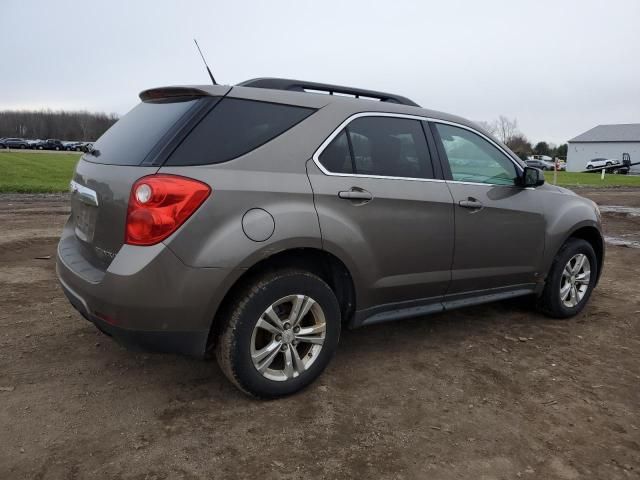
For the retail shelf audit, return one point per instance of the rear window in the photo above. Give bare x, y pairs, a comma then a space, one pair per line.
235, 127
131, 138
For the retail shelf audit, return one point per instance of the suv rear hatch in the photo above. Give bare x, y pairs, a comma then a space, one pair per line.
134, 147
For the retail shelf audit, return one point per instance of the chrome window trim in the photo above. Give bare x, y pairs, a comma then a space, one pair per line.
343, 125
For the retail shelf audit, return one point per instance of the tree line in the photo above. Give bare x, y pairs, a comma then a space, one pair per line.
62, 125
506, 129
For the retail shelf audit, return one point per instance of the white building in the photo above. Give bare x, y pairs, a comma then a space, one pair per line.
605, 141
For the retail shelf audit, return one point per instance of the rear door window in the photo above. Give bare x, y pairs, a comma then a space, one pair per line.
336, 157
380, 146
235, 127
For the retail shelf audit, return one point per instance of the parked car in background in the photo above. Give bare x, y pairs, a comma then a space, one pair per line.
546, 158
51, 144
33, 144
601, 162
74, 146
183, 237
541, 164
15, 143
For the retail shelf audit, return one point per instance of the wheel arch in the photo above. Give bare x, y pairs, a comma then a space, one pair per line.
592, 235
320, 262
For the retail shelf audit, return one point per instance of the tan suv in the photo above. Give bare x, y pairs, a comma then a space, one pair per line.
258, 220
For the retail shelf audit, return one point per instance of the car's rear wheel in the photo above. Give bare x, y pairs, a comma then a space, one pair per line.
589, 167
571, 280
279, 334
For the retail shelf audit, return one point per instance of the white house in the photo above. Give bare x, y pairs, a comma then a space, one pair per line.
605, 141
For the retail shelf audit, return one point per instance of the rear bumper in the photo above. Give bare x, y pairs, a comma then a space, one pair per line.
147, 297
187, 343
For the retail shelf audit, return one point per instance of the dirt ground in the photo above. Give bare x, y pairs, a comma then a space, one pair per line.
488, 392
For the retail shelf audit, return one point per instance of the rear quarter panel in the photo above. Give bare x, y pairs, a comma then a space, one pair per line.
214, 235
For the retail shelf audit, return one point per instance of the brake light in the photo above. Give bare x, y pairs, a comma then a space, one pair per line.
159, 204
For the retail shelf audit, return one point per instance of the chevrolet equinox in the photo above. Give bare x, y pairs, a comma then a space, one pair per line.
255, 221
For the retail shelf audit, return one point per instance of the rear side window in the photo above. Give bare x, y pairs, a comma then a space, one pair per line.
131, 138
382, 146
235, 127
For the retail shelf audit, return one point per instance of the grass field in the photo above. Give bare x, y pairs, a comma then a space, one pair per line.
31, 172
578, 179
36, 172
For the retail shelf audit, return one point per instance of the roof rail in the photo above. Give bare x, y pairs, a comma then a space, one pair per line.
314, 87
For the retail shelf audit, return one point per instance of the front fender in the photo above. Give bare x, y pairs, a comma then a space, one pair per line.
567, 214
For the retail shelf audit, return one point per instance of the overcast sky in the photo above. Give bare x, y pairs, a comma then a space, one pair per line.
559, 67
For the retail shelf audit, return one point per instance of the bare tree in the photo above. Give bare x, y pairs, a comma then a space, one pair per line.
61, 124
519, 144
506, 128
490, 127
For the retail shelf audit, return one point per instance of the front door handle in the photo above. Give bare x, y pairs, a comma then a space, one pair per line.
470, 203
356, 194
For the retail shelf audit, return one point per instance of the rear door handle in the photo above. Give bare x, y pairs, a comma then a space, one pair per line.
470, 203
355, 194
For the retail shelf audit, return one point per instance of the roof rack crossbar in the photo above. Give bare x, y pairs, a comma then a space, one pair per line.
302, 86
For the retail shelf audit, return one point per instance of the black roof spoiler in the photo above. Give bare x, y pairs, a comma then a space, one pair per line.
171, 92
304, 86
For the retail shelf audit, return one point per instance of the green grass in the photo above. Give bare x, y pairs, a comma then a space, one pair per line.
580, 179
31, 172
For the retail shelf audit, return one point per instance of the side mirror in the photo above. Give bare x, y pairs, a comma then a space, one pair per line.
531, 177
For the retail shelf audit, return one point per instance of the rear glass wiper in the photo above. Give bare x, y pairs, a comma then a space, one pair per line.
93, 151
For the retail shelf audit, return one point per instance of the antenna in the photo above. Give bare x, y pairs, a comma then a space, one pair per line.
213, 80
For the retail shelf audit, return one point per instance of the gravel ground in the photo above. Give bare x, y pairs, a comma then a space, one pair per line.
495, 391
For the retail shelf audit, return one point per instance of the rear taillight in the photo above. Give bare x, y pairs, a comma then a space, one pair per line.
159, 204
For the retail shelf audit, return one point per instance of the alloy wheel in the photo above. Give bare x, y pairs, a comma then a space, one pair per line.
575, 280
288, 337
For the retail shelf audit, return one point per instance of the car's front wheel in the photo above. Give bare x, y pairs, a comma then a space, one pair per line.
571, 280
280, 332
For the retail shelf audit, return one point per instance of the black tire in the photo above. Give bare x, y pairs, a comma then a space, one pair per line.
57, 149
22, 147
550, 303
609, 164
233, 345
589, 167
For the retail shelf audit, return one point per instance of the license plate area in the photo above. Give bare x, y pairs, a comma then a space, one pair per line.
84, 207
